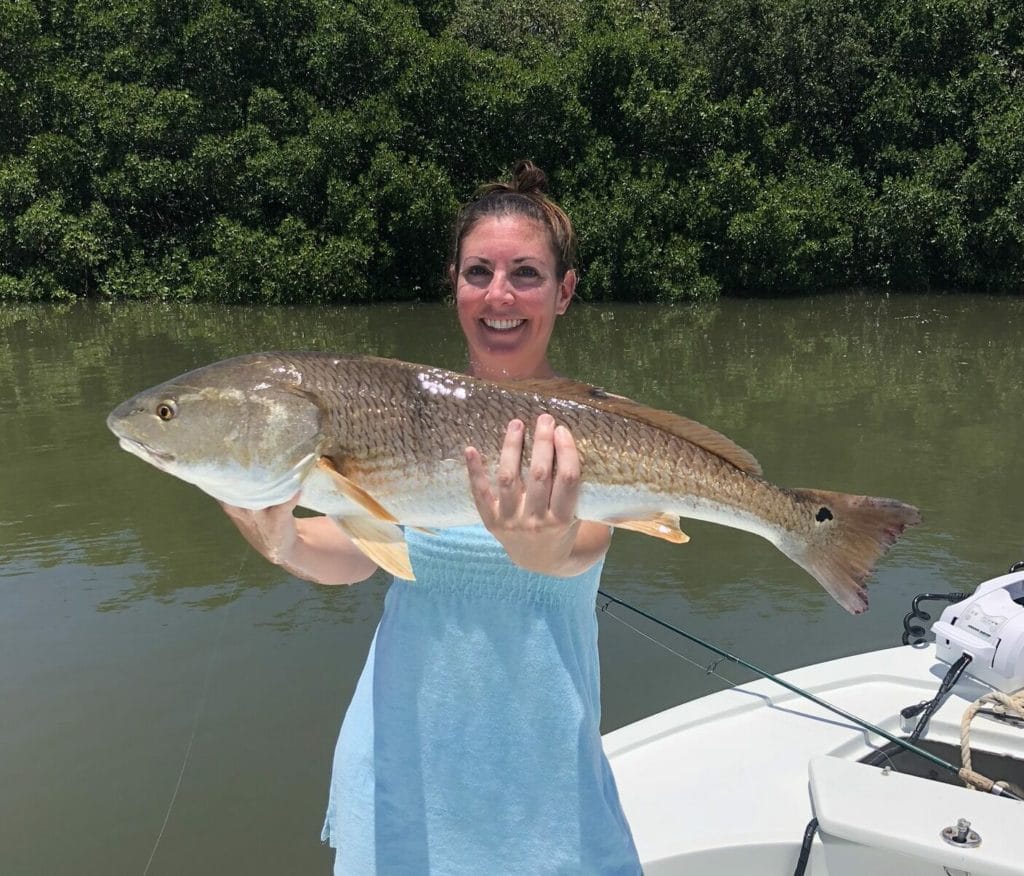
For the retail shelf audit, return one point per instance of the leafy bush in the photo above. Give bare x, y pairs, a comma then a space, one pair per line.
305, 150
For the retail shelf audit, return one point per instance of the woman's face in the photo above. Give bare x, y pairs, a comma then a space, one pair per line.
508, 295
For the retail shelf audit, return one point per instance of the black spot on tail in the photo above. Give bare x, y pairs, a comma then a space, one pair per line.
824, 514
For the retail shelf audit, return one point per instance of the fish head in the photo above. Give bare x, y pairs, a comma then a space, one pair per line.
243, 430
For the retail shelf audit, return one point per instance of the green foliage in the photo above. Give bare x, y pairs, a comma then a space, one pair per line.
801, 232
292, 264
316, 151
515, 25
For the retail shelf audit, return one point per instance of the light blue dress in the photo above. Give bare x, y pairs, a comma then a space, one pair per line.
472, 743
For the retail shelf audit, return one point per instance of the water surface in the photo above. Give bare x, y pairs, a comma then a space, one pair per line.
170, 700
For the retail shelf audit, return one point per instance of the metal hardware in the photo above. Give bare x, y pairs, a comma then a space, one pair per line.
961, 835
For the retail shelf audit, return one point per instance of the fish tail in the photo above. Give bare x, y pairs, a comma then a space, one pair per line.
846, 536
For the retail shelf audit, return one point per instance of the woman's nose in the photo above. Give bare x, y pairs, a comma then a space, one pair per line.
500, 290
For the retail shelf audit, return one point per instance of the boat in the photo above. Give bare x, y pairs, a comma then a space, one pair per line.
834, 769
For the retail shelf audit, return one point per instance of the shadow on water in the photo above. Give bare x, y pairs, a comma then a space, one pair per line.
135, 624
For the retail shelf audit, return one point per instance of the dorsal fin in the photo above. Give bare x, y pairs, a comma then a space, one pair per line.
595, 397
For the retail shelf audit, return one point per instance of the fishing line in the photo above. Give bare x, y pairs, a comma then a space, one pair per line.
200, 709
860, 722
710, 669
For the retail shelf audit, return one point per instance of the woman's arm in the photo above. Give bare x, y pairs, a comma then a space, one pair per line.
534, 516
312, 548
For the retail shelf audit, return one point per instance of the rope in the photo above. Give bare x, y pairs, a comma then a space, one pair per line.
1011, 705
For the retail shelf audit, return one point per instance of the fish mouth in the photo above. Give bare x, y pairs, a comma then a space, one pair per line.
154, 457
503, 325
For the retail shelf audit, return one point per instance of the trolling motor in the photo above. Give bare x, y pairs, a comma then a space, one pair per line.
988, 626
981, 634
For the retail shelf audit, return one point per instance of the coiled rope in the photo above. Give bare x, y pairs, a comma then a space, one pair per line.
1006, 705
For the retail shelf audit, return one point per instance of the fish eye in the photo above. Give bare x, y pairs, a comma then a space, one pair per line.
166, 410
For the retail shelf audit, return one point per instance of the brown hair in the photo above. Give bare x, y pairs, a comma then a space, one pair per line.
524, 195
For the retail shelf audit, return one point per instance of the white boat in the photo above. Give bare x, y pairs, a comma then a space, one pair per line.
727, 784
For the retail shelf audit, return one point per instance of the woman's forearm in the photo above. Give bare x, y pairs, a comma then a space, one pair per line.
323, 554
312, 548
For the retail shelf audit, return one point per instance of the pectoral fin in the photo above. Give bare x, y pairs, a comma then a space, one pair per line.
382, 542
355, 492
665, 526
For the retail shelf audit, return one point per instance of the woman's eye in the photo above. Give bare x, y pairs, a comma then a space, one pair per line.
476, 271
527, 271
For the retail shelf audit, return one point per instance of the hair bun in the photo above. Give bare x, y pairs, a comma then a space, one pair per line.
524, 194
528, 179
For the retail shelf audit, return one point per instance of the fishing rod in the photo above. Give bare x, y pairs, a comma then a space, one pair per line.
968, 776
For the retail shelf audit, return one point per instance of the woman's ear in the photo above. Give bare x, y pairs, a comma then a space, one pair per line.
566, 289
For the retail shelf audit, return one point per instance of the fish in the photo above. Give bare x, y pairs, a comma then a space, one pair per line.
378, 444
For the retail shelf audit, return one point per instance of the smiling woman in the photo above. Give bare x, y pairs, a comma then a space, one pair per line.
472, 742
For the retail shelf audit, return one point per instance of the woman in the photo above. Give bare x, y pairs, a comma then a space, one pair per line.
472, 743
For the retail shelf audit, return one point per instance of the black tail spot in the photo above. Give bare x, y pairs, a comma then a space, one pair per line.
823, 515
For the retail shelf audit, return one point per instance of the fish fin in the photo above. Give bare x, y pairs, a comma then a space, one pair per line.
355, 492
682, 427
382, 542
664, 526
850, 533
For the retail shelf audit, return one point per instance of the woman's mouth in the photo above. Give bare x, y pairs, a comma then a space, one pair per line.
503, 325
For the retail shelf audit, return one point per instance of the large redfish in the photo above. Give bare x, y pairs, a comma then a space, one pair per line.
377, 444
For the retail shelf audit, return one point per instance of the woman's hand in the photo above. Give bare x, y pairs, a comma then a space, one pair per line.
311, 548
271, 531
534, 516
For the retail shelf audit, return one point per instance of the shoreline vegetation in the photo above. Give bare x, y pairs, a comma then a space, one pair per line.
314, 151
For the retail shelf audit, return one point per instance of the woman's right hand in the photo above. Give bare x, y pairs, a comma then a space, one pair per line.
311, 548
271, 531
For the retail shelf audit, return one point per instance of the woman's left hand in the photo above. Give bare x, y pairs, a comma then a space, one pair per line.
534, 515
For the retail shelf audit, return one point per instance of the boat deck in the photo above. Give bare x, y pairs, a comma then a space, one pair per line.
719, 783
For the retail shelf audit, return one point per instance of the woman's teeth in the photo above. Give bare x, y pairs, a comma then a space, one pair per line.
503, 325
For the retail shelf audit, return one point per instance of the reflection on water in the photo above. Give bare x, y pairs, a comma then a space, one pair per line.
135, 626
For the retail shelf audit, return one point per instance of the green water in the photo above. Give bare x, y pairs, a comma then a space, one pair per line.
147, 656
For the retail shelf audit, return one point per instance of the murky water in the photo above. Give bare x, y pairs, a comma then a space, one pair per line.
170, 701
